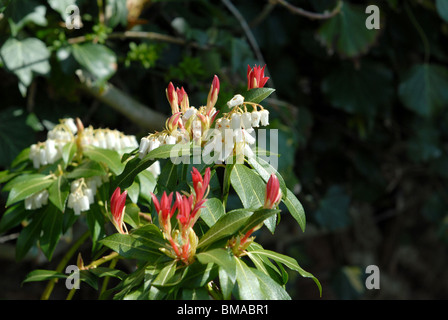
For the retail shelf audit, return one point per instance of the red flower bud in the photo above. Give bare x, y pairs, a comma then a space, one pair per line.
117, 205
273, 193
255, 77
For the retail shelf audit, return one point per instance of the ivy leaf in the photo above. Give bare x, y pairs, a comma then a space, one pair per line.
97, 59
347, 33
333, 209
23, 12
424, 89
24, 58
442, 9
361, 82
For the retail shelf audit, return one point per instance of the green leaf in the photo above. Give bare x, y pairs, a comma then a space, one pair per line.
195, 294
58, 192
51, 230
288, 262
14, 216
258, 217
257, 95
248, 185
43, 275
87, 169
95, 223
442, 9
110, 158
347, 33
212, 211
222, 257
165, 275
24, 58
270, 289
68, 151
136, 165
248, 284
25, 188
102, 272
226, 226
264, 169
23, 12
129, 247
295, 208
97, 59
424, 89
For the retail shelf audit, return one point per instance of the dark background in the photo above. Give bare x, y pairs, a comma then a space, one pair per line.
362, 118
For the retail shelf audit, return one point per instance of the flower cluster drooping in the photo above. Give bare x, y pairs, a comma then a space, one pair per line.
183, 240
50, 151
36, 200
231, 134
82, 193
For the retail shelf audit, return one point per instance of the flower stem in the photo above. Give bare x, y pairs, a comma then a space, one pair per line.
49, 288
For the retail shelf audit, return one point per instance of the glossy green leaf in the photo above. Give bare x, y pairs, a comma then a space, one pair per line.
288, 262
264, 169
136, 165
51, 230
212, 211
248, 284
165, 275
258, 217
87, 169
248, 185
222, 257
96, 224
68, 151
295, 208
25, 188
257, 95
130, 247
226, 226
43, 275
270, 289
424, 89
58, 192
110, 158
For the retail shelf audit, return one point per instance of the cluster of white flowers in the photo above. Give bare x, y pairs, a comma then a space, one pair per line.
232, 134
36, 200
50, 150
82, 193
108, 139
